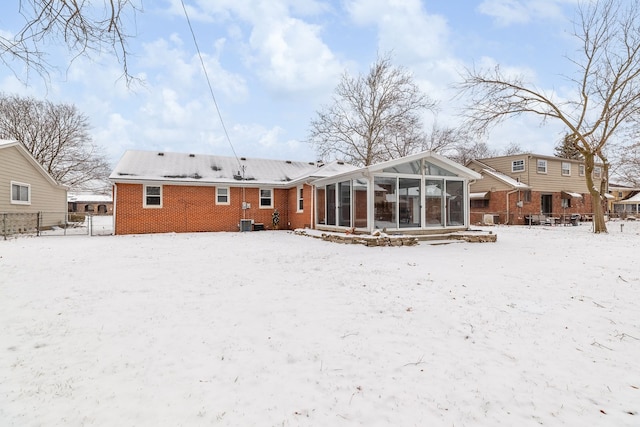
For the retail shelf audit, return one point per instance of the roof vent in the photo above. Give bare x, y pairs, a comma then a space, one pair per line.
160, 154
340, 162
243, 158
289, 161
312, 164
192, 155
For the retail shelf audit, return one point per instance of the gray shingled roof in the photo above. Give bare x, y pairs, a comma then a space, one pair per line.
201, 168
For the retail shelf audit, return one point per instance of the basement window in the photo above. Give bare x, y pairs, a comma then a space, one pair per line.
152, 196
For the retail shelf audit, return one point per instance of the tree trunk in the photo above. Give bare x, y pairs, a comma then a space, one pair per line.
599, 226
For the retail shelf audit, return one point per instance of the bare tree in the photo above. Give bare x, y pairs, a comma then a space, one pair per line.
57, 135
627, 164
373, 117
85, 28
607, 87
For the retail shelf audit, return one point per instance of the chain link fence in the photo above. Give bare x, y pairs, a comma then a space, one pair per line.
54, 224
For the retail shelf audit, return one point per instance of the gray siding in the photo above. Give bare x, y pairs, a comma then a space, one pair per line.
45, 197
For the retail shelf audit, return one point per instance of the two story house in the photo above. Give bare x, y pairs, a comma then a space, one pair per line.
530, 188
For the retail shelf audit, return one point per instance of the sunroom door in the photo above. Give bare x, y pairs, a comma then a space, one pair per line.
409, 202
434, 202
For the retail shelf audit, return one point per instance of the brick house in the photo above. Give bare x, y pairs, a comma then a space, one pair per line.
520, 188
158, 192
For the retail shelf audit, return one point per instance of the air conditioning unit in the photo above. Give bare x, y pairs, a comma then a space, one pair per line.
246, 225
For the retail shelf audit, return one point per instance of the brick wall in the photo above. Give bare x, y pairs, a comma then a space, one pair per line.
305, 218
497, 207
193, 209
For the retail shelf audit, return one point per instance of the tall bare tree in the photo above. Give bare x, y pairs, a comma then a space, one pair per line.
373, 117
57, 135
606, 107
85, 28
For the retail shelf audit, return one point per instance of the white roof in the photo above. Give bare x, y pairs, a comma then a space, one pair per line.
631, 200
207, 169
88, 197
573, 194
506, 179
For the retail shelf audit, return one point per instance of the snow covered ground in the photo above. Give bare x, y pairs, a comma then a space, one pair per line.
275, 329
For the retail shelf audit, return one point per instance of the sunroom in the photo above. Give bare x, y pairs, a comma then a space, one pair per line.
421, 193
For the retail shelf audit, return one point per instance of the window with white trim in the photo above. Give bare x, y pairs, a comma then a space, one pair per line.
152, 196
222, 196
542, 166
20, 193
300, 199
597, 172
266, 198
517, 165
566, 169
581, 170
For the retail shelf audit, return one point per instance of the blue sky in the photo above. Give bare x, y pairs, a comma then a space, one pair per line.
274, 63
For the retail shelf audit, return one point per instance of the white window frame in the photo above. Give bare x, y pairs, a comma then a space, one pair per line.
270, 190
144, 196
300, 198
20, 202
566, 171
581, 169
519, 163
541, 166
227, 194
597, 172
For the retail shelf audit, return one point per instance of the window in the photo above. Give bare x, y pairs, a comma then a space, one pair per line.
300, 199
566, 169
222, 196
566, 203
152, 196
517, 166
526, 196
581, 170
479, 203
542, 166
20, 193
597, 172
266, 198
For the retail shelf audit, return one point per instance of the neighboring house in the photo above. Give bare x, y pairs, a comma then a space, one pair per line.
524, 188
96, 204
626, 204
623, 200
157, 192
29, 196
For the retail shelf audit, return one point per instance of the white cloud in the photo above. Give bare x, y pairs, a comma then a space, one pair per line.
510, 12
404, 27
286, 52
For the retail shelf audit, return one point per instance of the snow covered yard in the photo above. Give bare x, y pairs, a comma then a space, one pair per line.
274, 329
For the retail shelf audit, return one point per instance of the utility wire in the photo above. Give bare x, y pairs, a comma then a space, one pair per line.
206, 75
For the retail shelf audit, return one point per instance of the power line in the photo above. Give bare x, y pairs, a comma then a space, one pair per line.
206, 75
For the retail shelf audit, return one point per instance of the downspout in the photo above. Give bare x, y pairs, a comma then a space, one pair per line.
312, 223
469, 184
115, 204
508, 215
